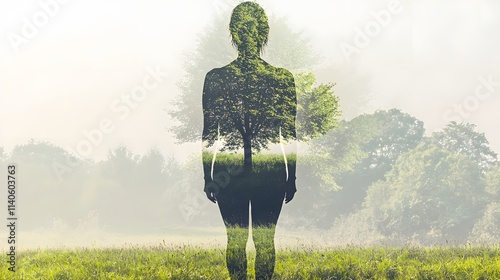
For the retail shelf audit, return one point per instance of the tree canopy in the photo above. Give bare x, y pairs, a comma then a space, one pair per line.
463, 139
361, 151
285, 48
430, 194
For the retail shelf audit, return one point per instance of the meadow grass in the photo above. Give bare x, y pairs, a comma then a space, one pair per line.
190, 262
261, 162
187, 262
267, 170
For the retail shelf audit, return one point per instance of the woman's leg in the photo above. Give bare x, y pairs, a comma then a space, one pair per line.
234, 211
266, 208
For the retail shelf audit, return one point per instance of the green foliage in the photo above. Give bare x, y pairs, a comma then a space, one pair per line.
434, 192
318, 107
267, 169
121, 166
493, 182
249, 21
39, 161
286, 48
430, 195
183, 262
262, 162
360, 151
395, 133
463, 139
108, 187
248, 100
487, 229
340, 149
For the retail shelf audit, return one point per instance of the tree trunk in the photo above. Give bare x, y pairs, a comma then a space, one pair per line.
247, 148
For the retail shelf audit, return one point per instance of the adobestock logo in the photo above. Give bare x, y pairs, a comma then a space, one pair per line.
363, 37
31, 26
471, 103
120, 108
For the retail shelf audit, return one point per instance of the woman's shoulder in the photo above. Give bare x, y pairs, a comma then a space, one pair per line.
214, 72
220, 74
230, 71
281, 75
278, 70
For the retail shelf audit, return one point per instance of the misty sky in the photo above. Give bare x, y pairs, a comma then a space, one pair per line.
74, 73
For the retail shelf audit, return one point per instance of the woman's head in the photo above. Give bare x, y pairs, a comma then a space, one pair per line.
249, 27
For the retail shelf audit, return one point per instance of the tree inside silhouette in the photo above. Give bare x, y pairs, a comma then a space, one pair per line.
286, 48
250, 103
248, 110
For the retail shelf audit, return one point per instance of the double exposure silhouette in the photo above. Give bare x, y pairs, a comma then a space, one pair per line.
249, 105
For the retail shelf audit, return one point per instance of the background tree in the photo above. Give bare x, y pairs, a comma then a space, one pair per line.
392, 134
124, 179
360, 152
108, 187
341, 149
318, 108
463, 139
44, 189
493, 183
156, 170
121, 166
398, 132
429, 195
487, 229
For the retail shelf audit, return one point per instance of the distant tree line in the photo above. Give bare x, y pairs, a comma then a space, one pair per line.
376, 178
125, 190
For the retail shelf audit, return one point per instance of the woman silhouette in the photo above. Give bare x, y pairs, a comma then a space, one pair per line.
249, 103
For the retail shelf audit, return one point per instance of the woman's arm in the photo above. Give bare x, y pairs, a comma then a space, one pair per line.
209, 138
289, 147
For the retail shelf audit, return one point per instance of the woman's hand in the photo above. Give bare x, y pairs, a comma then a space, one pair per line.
211, 189
290, 190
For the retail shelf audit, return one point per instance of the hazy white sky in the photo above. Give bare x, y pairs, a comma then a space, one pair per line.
71, 72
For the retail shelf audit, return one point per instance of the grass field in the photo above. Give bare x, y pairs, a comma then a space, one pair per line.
187, 262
